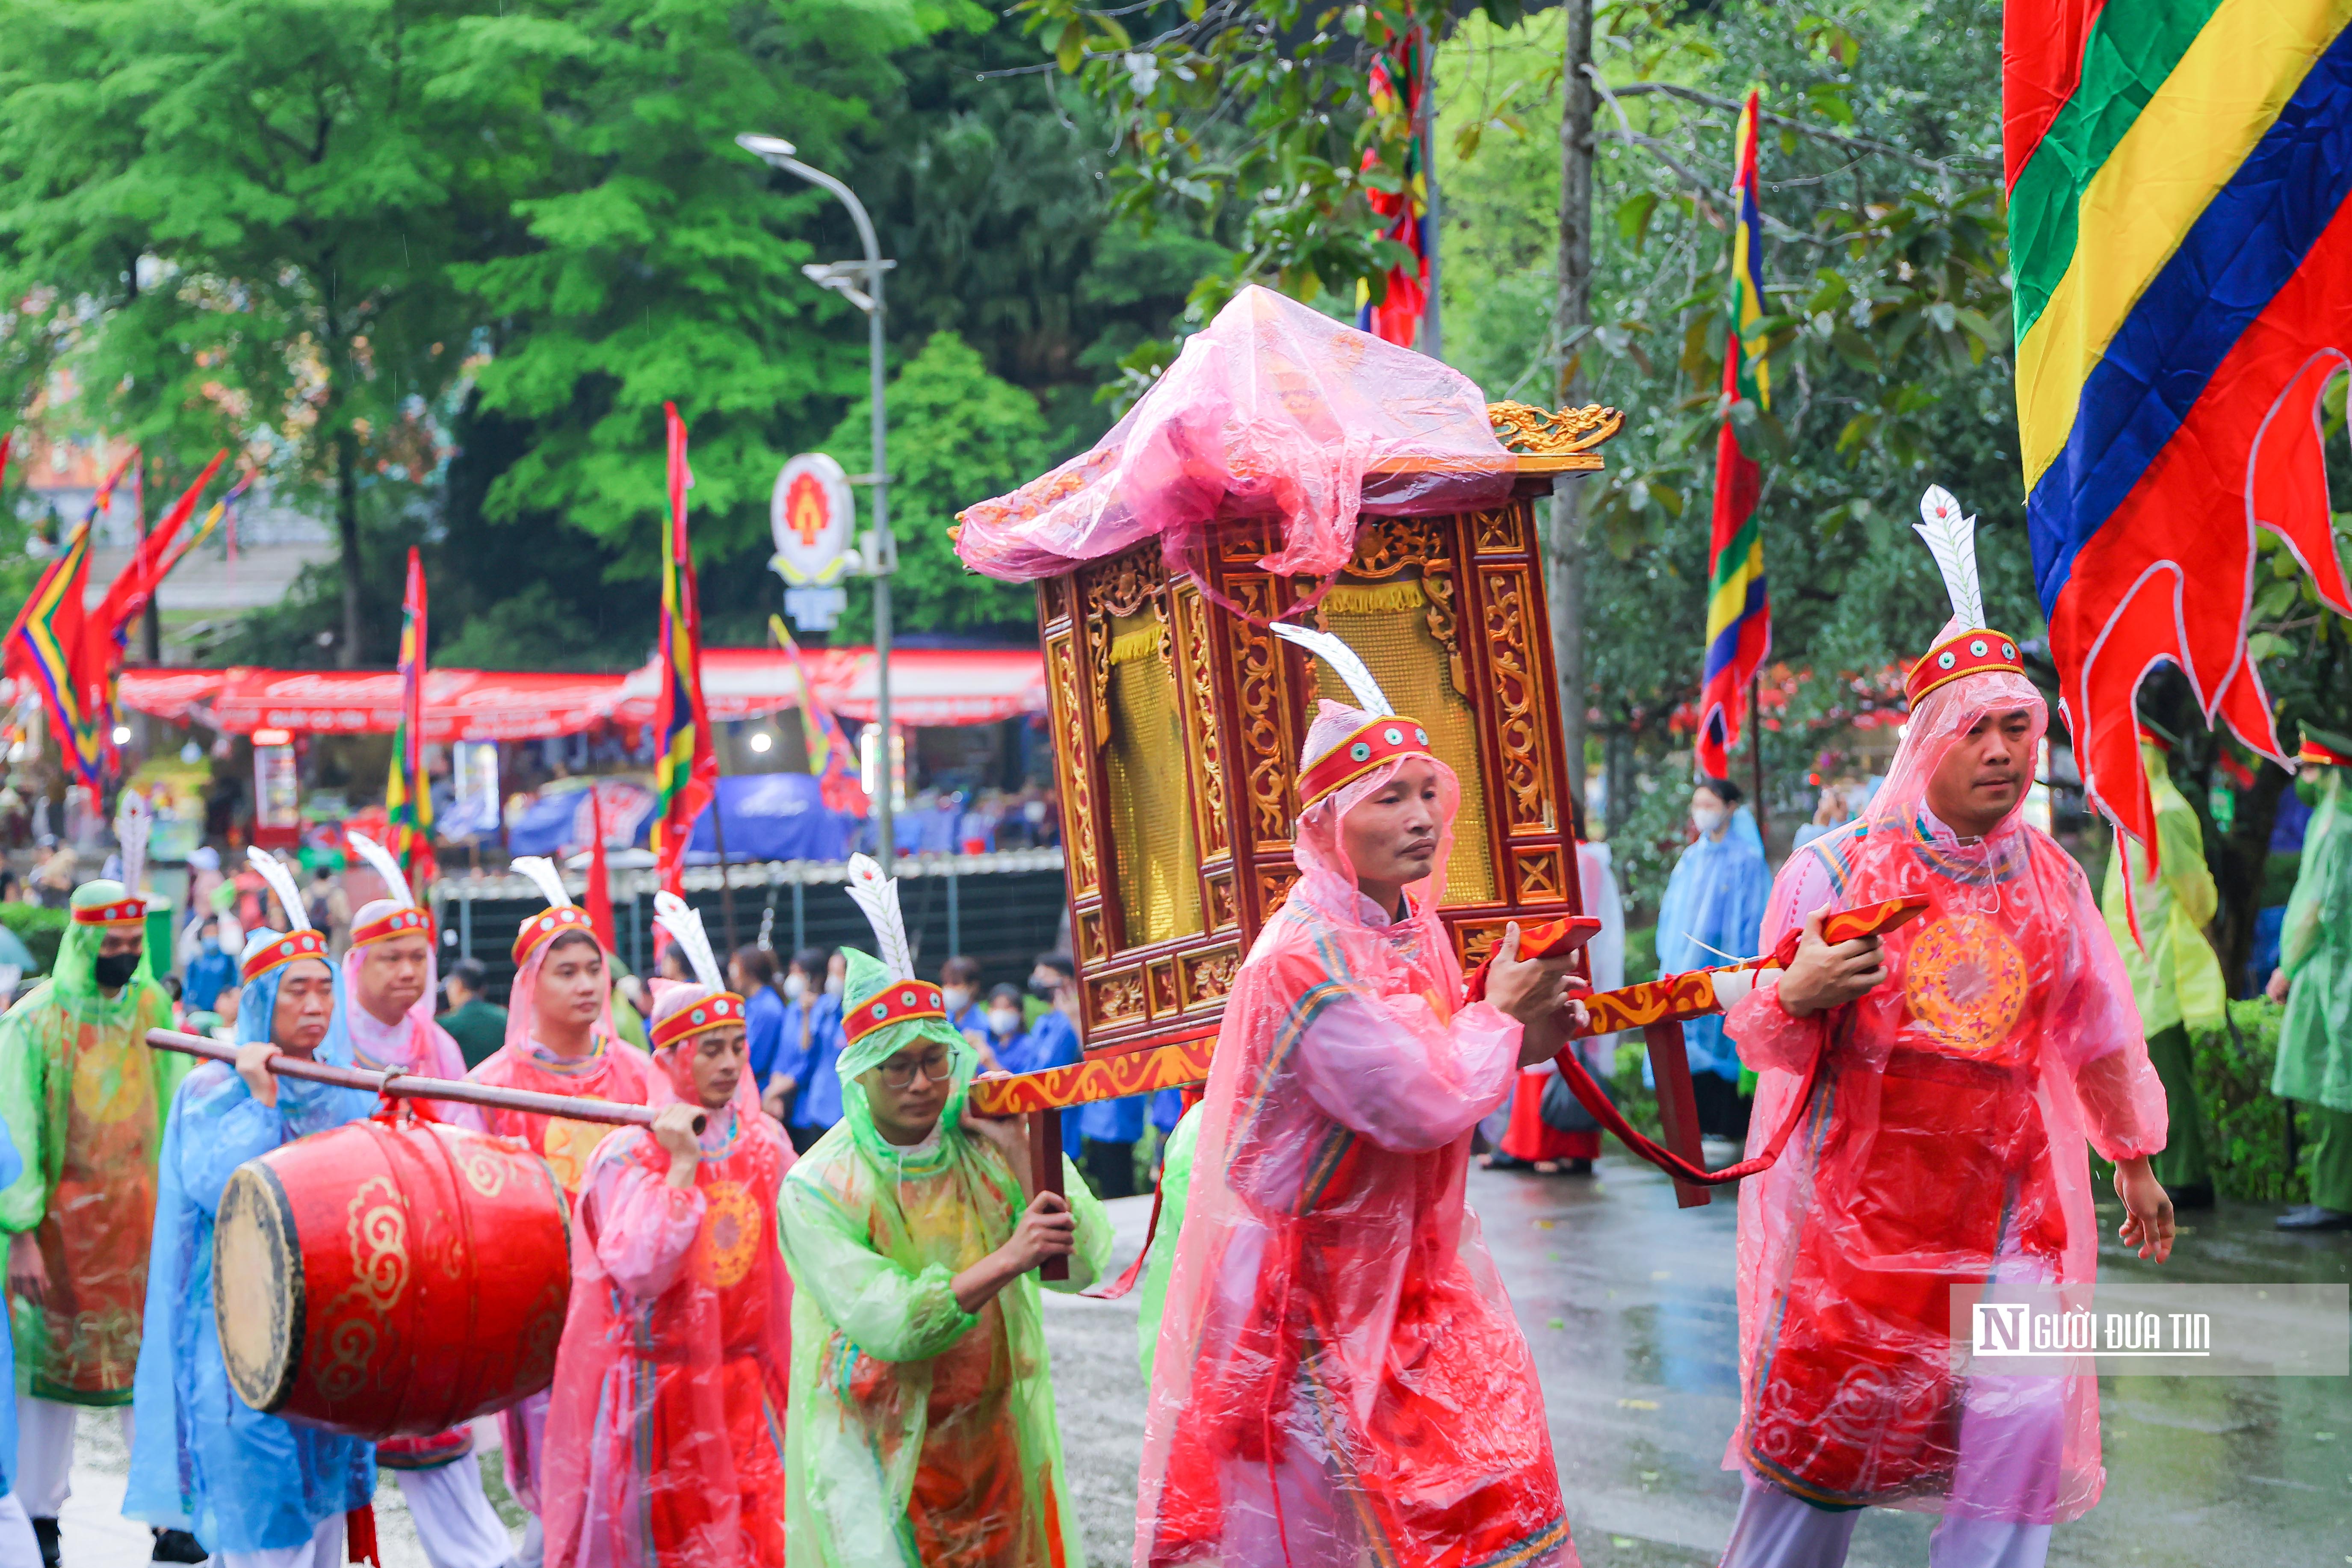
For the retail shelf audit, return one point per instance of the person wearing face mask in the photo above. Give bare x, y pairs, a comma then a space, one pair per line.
1052, 1037
958, 986
85, 1101
210, 971
1712, 911
803, 1086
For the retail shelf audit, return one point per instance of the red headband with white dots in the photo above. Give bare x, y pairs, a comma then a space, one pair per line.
1969, 652
406, 920
1380, 741
723, 1010
897, 1002
121, 912
546, 926
279, 952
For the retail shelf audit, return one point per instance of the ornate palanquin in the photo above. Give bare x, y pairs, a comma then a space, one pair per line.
1178, 718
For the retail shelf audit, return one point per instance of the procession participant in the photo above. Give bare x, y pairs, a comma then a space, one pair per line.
84, 1100
388, 976
922, 1428
19, 1547
2315, 980
2176, 979
751, 972
1175, 1183
258, 1491
1713, 906
1340, 1379
1963, 1060
560, 1041
665, 1431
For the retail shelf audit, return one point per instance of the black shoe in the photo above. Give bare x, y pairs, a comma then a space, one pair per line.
177, 1546
44, 1531
2310, 1216
2199, 1197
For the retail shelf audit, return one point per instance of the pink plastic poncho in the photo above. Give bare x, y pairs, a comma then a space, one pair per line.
614, 1070
1339, 1378
416, 1044
1276, 410
665, 1426
1945, 1146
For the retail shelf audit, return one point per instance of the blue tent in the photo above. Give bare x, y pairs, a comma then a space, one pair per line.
773, 817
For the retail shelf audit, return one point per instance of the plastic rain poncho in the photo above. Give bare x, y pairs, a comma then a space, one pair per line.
85, 1101
1713, 907
2315, 1057
203, 1460
1340, 1379
920, 1434
416, 1044
2175, 977
1945, 1142
664, 1428
1275, 409
1175, 1183
614, 1070
12, 1165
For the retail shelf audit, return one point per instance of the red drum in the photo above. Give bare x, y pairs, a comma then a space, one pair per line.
393, 1277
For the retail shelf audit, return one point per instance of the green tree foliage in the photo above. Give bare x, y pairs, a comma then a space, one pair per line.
958, 434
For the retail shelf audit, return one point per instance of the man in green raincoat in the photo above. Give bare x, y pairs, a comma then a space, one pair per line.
2176, 980
85, 1100
2314, 981
921, 1425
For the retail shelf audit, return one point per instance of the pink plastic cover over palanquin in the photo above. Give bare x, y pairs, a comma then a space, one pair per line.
1274, 410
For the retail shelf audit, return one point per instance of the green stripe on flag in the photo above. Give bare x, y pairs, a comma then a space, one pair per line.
2132, 48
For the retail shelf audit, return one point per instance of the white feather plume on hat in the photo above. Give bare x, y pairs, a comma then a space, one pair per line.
281, 882
684, 923
1953, 539
877, 895
549, 880
379, 860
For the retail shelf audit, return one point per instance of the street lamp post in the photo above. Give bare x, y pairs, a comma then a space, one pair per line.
860, 282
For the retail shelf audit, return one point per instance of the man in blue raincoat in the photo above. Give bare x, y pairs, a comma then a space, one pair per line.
259, 1492
1712, 913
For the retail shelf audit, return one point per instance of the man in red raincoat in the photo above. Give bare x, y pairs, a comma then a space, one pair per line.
1340, 1378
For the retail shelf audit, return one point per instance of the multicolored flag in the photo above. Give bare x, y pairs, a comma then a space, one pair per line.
408, 791
831, 757
45, 647
127, 598
1738, 608
1405, 213
213, 516
686, 772
2180, 232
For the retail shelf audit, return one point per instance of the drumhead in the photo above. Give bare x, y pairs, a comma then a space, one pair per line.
257, 1287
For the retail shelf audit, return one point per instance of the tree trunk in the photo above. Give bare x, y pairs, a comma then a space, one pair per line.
347, 531
2240, 863
1572, 315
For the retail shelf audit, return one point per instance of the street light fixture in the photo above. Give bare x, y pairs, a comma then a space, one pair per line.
859, 282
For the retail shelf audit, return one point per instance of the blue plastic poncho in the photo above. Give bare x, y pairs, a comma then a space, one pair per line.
1714, 906
205, 1460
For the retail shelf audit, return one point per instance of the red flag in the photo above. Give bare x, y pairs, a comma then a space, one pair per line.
686, 773
600, 880
127, 595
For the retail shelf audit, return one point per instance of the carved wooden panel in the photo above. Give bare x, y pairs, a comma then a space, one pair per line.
1209, 976
1521, 729
1386, 547
1539, 875
1473, 939
1092, 948
1200, 725
1115, 998
1274, 885
1072, 774
1503, 532
1266, 738
1221, 912
1159, 986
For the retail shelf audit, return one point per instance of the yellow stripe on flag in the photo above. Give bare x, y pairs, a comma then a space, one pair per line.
2188, 141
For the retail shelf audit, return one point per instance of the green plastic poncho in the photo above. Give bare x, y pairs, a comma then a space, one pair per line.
85, 1100
1175, 1184
2314, 1057
2175, 977
918, 1433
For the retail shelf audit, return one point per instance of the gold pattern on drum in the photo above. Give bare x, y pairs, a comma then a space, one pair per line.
1966, 981
729, 1239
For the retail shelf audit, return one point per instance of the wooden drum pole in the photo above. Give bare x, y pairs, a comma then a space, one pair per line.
408, 1086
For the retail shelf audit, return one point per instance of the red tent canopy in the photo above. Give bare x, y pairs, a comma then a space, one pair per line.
929, 687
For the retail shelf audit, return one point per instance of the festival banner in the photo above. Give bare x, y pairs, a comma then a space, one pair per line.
108, 636
831, 757
1738, 608
1405, 213
2180, 233
45, 647
408, 791
686, 769
213, 516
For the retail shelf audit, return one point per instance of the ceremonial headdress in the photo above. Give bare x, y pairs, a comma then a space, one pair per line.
682, 1011
559, 916
265, 951
2325, 751
885, 1009
104, 904
394, 915
1969, 672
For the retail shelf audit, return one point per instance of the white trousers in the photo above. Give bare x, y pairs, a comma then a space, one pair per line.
324, 1550
455, 1522
18, 1547
44, 1437
1778, 1529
